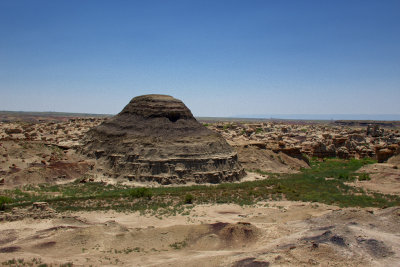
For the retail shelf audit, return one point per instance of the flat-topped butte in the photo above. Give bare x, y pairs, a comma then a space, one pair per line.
156, 138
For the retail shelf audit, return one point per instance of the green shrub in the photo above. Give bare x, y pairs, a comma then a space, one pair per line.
3, 201
189, 199
140, 192
178, 245
364, 177
227, 126
343, 176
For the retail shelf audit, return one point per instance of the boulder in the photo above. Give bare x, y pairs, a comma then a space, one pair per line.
384, 154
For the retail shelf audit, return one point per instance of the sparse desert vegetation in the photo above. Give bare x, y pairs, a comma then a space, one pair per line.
324, 182
296, 205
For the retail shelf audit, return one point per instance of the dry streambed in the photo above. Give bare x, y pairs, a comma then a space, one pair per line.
270, 233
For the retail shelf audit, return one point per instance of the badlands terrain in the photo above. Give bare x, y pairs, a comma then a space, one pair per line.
313, 194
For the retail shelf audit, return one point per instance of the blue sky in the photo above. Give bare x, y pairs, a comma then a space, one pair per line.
222, 58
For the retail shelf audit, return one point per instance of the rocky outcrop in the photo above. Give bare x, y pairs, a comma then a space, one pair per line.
321, 140
343, 153
320, 150
156, 138
383, 154
374, 130
294, 152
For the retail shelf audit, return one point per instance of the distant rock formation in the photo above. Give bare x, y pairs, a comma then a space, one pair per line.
156, 138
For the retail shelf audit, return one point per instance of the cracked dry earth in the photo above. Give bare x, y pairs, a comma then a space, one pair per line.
278, 233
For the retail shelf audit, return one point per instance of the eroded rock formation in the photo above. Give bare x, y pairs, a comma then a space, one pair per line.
156, 138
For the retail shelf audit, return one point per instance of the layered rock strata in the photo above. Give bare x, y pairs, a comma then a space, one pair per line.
156, 138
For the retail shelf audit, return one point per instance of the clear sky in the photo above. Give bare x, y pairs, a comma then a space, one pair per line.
222, 58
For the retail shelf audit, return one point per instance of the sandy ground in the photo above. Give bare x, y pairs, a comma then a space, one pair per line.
385, 178
280, 233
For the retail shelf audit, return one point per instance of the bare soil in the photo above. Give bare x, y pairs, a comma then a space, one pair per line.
278, 233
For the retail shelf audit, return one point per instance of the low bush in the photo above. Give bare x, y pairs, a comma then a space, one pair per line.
3, 201
140, 192
189, 199
364, 177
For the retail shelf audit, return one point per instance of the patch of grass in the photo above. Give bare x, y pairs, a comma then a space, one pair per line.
3, 201
336, 168
140, 192
364, 177
31, 262
178, 245
127, 250
9, 262
324, 182
259, 130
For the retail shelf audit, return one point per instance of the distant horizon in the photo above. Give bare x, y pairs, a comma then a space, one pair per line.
326, 117
375, 117
220, 57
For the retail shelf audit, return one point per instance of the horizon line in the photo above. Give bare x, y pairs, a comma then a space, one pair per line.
298, 116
